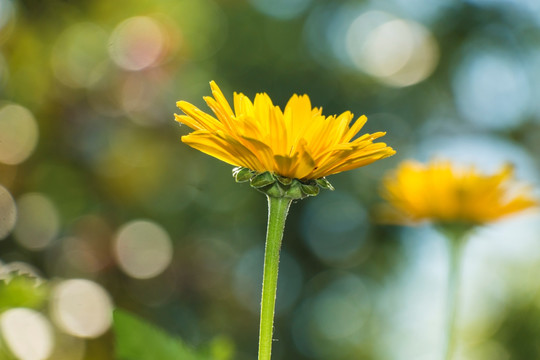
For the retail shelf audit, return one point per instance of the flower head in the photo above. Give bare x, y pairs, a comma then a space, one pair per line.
446, 194
296, 143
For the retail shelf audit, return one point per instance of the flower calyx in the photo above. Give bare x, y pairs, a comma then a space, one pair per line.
455, 231
275, 185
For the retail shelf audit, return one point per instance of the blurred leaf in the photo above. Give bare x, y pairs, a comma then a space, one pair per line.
521, 324
22, 291
221, 348
138, 340
5, 354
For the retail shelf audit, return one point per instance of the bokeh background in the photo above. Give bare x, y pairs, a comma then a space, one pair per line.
101, 200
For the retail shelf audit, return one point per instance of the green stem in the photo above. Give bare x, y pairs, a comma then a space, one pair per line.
277, 213
455, 251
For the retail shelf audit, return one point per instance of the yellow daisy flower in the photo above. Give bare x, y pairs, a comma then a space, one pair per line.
296, 143
444, 194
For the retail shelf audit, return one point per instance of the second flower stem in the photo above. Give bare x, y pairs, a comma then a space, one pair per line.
277, 213
455, 251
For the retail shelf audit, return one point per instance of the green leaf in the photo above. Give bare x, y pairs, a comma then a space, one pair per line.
22, 291
138, 340
222, 348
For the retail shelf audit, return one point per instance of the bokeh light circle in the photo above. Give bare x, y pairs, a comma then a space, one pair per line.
38, 221
27, 333
395, 51
143, 249
389, 52
491, 88
334, 226
87, 247
8, 212
137, 43
78, 55
18, 134
81, 308
341, 309
333, 323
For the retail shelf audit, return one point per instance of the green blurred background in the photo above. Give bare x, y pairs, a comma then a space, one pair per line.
95, 183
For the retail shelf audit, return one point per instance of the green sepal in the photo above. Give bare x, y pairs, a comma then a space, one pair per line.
242, 174
310, 189
264, 179
279, 186
294, 191
235, 170
456, 231
275, 190
283, 180
324, 184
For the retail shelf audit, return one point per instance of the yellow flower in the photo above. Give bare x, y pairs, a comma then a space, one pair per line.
298, 142
446, 194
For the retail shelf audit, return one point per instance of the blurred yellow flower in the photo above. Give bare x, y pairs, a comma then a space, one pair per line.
298, 142
443, 193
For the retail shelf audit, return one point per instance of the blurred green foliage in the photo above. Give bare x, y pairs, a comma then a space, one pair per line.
156, 344
22, 291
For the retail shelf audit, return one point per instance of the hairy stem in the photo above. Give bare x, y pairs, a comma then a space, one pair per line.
277, 213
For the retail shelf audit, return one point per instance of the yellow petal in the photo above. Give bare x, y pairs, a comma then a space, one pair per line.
298, 142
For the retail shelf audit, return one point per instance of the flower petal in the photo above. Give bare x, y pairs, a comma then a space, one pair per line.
298, 142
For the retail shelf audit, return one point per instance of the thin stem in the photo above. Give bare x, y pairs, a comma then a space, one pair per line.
277, 213
455, 251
